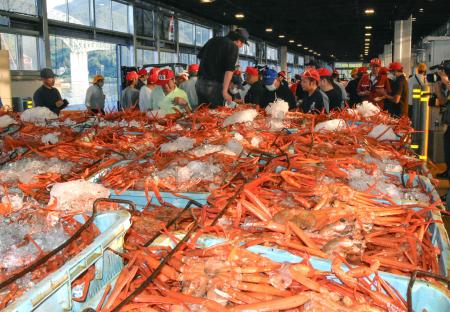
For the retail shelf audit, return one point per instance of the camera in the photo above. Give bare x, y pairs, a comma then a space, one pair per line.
444, 66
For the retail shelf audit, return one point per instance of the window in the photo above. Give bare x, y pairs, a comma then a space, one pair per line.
57, 10
125, 56
76, 70
249, 49
202, 35
19, 6
23, 52
290, 58
168, 57
120, 16
188, 58
167, 29
103, 14
186, 32
79, 12
144, 20
244, 64
272, 53
146, 57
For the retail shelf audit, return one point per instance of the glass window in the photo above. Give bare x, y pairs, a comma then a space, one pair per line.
186, 32
120, 16
139, 57
78, 12
248, 49
167, 28
9, 42
271, 53
125, 56
188, 58
150, 57
143, 22
301, 61
29, 53
74, 73
290, 58
20, 6
103, 14
202, 35
168, 57
57, 10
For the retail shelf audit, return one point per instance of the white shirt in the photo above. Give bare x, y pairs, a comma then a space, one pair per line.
415, 79
144, 99
95, 98
243, 91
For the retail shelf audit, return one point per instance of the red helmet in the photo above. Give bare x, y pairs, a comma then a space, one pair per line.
132, 75
153, 75
375, 62
142, 72
395, 66
324, 72
311, 73
362, 69
252, 71
164, 76
193, 68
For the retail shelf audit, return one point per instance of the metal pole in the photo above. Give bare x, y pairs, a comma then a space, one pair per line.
416, 116
424, 113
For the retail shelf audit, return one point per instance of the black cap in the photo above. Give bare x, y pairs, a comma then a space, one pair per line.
47, 73
242, 34
237, 80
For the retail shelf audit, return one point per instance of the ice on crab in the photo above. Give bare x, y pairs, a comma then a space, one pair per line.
181, 144
383, 133
246, 115
201, 170
50, 138
6, 121
277, 109
77, 195
276, 124
233, 147
38, 115
367, 109
330, 125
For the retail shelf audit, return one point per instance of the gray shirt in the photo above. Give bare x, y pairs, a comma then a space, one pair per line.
189, 87
130, 97
95, 98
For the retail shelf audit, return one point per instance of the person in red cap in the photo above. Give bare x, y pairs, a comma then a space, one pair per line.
375, 86
189, 85
329, 87
253, 85
130, 95
398, 98
282, 77
168, 97
146, 91
218, 58
314, 100
353, 97
143, 75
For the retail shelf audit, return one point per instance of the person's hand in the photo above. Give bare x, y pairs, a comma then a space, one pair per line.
227, 97
180, 101
59, 103
382, 92
239, 101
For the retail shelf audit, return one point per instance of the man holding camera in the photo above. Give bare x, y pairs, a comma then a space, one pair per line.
442, 91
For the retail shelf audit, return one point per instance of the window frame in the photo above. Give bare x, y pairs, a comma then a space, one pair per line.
36, 9
194, 34
18, 39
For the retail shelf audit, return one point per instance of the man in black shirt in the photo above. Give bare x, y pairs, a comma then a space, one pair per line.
274, 90
254, 94
218, 59
353, 85
400, 91
314, 100
47, 95
330, 88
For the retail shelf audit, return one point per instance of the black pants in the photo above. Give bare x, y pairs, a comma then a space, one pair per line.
447, 147
209, 92
97, 111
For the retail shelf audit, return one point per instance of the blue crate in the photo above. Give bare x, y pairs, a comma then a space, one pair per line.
54, 293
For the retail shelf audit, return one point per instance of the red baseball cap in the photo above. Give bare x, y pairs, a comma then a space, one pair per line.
395, 66
193, 68
362, 69
375, 62
237, 72
282, 74
311, 73
132, 75
252, 71
324, 72
153, 75
164, 76
142, 72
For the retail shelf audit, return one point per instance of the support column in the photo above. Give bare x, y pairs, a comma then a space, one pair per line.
402, 44
79, 75
44, 42
283, 58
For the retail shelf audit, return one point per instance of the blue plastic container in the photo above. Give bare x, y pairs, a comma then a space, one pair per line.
54, 293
